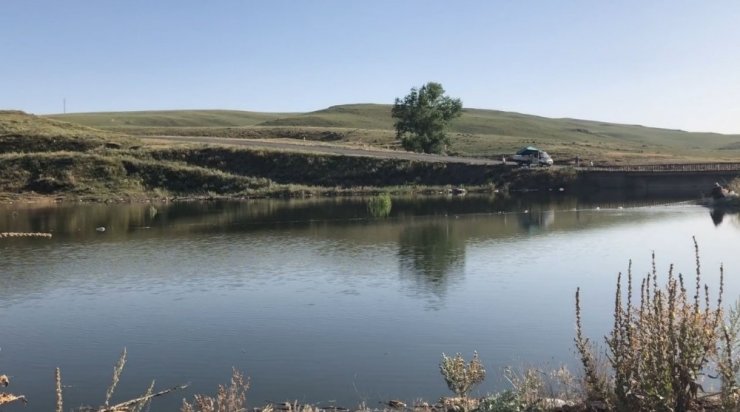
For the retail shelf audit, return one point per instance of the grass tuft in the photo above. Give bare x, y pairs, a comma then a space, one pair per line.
227, 399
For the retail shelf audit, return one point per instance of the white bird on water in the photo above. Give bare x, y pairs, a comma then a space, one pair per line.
100, 229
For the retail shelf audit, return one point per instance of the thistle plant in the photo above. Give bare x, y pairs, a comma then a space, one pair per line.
459, 376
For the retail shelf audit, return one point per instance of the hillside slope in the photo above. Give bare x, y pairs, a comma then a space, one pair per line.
48, 159
477, 132
21, 132
45, 157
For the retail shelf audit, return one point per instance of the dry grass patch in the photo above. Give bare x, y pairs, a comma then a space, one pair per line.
228, 399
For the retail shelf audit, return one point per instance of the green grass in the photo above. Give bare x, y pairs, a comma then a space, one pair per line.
49, 158
21, 132
486, 133
99, 177
40, 156
170, 118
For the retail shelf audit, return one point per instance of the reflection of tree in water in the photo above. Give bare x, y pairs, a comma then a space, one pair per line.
717, 216
537, 220
725, 217
431, 256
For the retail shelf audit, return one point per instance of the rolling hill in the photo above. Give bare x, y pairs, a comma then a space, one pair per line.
483, 133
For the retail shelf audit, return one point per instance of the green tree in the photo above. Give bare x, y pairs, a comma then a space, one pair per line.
421, 118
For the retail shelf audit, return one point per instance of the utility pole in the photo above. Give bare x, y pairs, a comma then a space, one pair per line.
64, 105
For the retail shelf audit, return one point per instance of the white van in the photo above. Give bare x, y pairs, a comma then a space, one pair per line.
532, 156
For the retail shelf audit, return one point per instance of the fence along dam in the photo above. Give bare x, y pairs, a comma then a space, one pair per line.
692, 180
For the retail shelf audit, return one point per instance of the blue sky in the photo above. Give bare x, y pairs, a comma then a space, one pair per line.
673, 64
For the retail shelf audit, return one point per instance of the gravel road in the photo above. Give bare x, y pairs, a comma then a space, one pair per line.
318, 147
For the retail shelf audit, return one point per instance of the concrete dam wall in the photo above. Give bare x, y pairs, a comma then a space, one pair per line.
686, 182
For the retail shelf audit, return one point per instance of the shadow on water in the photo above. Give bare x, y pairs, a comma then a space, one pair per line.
431, 257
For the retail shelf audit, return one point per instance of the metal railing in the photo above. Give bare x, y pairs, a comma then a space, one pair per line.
679, 167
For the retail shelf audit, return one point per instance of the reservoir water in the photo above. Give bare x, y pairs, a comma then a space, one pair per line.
318, 301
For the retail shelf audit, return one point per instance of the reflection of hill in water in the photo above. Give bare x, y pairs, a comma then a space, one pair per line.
78, 222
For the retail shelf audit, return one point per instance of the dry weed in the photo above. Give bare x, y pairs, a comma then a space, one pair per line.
659, 348
7, 398
231, 399
459, 376
132, 405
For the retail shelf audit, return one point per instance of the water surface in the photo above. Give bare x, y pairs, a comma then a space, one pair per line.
318, 301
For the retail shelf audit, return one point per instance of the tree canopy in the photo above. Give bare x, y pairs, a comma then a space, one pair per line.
422, 116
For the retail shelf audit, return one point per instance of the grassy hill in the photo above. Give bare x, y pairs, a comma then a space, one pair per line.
486, 133
169, 118
48, 158
21, 132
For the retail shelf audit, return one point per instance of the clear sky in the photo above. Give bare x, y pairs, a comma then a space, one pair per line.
673, 64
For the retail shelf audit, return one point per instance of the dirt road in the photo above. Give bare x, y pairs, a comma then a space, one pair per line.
319, 147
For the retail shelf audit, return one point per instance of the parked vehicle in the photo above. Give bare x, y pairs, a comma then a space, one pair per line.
532, 156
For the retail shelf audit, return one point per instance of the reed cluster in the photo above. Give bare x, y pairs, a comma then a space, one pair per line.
380, 205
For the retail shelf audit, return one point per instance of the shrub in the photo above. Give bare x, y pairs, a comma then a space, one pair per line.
459, 376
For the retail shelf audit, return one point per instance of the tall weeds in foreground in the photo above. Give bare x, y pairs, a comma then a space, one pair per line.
596, 382
658, 348
728, 363
133, 405
231, 399
117, 370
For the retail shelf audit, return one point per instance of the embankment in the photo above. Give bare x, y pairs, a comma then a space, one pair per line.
331, 170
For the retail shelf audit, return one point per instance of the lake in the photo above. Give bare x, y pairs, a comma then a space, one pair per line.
318, 301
